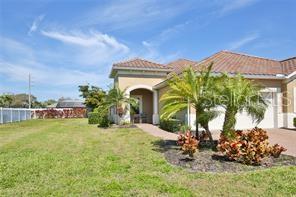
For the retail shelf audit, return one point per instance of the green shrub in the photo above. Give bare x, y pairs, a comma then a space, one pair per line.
294, 121
93, 118
104, 121
101, 117
171, 125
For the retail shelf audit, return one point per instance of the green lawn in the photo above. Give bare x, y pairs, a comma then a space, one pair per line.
70, 157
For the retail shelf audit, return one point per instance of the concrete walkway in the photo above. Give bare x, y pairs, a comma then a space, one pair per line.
284, 137
157, 132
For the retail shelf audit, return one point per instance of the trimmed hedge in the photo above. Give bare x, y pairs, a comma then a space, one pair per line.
98, 118
104, 121
294, 121
171, 125
93, 118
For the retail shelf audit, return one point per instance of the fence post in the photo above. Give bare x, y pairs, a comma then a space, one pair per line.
10, 115
1, 115
19, 114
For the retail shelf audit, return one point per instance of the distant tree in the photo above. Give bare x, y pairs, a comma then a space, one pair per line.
84, 89
93, 95
48, 102
5, 100
22, 100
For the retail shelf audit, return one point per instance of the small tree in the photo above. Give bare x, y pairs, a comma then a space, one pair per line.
238, 94
118, 99
94, 96
196, 89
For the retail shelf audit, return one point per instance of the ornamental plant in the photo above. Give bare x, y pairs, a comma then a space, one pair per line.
188, 143
277, 150
248, 147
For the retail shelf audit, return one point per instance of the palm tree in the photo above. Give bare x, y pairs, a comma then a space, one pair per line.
190, 88
118, 99
204, 117
237, 95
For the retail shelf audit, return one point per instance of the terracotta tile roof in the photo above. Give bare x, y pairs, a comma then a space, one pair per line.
224, 61
139, 63
180, 65
289, 65
233, 63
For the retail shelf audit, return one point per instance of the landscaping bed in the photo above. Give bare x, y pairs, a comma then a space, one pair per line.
208, 160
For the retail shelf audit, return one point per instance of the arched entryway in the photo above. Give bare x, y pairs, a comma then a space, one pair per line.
143, 112
148, 104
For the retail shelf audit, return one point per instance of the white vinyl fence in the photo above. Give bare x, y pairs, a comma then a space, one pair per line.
14, 114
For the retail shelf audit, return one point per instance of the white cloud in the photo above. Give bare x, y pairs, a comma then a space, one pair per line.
47, 75
151, 52
36, 24
92, 39
125, 14
243, 41
17, 60
90, 48
229, 6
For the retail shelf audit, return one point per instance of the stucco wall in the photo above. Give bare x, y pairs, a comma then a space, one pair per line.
288, 96
128, 81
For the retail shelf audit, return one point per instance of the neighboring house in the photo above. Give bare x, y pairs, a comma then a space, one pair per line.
70, 104
54, 105
147, 81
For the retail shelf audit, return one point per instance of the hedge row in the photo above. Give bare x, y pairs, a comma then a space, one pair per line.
172, 125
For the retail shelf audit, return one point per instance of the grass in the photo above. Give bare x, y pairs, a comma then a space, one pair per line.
70, 157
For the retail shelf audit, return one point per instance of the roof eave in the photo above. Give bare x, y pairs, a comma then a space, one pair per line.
248, 76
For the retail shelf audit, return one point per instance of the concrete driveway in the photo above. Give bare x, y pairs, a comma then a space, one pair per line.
283, 137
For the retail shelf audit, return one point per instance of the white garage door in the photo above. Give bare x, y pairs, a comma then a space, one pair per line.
244, 121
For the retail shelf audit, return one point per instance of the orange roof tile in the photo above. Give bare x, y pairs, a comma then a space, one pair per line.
289, 65
231, 62
139, 63
180, 64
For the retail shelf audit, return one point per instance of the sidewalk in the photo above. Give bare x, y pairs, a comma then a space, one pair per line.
157, 132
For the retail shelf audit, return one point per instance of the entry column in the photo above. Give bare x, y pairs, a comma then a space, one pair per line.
155, 116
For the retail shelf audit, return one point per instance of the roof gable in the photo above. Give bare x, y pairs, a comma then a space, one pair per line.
139, 63
289, 65
180, 64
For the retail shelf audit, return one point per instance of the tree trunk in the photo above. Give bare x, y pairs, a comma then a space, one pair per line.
196, 125
206, 126
229, 121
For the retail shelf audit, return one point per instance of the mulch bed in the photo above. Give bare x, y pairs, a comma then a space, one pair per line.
210, 160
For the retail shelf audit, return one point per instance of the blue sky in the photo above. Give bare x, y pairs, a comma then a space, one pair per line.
65, 43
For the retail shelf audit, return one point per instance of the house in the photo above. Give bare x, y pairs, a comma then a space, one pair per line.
70, 103
147, 81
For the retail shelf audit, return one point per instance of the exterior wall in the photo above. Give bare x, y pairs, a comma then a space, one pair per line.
147, 102
128, 81
161, 92
289, 103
